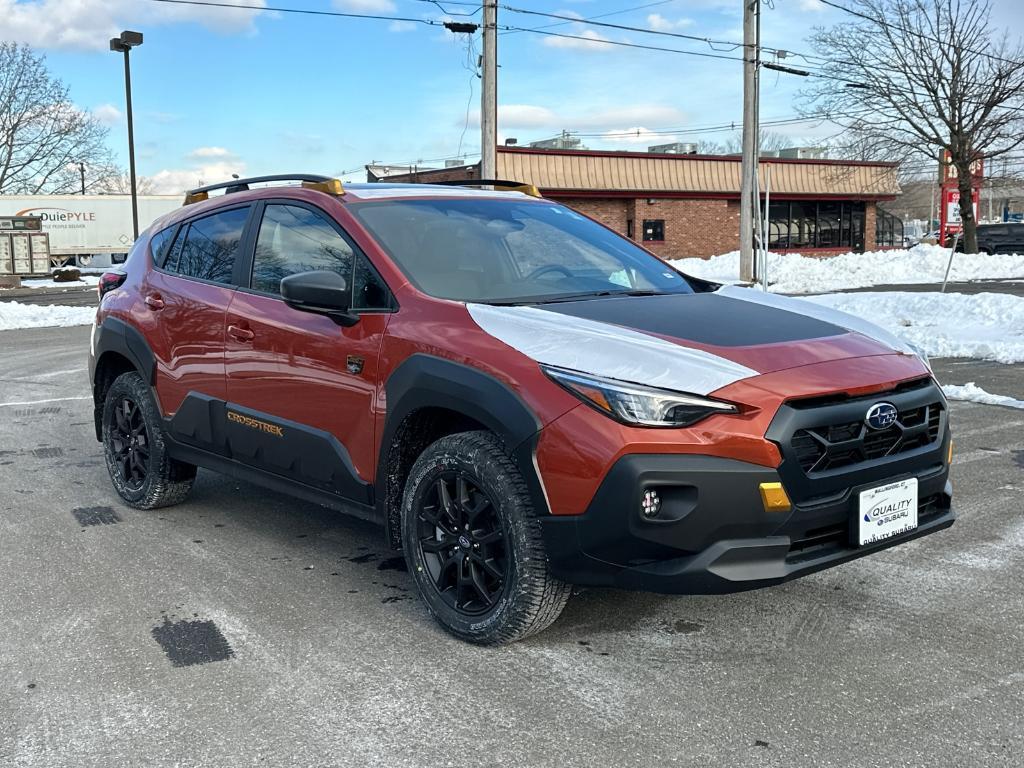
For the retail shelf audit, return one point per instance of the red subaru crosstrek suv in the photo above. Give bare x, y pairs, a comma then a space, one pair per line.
523, 398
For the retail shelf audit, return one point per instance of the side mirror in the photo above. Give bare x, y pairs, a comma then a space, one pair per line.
320, 292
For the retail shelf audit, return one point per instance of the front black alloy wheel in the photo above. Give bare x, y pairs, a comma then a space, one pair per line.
462, 543
473, 542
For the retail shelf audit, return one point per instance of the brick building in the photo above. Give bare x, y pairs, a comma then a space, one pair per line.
688, 205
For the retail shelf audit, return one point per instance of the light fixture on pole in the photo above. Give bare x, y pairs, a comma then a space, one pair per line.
124, 44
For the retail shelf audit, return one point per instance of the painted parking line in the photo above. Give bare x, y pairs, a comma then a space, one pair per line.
48, 400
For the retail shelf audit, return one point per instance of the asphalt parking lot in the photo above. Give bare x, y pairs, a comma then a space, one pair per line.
318, 653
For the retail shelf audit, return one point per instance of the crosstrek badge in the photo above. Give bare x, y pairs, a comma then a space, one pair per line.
249, 421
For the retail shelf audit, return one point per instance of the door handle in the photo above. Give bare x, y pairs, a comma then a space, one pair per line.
240, 334
153, 301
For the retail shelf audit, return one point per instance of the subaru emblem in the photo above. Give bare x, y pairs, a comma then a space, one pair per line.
881, 416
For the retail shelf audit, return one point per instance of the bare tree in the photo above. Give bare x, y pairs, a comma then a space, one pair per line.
117, 181
43, 135
910, 78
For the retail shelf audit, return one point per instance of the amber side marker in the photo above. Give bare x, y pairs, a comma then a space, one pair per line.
774, 498
949, 455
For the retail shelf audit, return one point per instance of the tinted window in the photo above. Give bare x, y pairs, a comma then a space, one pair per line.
209, 246
292, 240
506, 250
160, 244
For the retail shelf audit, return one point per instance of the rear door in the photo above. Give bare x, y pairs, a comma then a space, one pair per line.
302, 389
186, 296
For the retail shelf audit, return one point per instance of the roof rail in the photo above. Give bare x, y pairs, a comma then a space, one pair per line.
328, 184
515, 186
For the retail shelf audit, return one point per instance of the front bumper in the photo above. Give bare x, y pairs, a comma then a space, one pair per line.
713, 535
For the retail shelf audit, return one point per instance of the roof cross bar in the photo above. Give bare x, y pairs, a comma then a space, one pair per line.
327, 184
515, 186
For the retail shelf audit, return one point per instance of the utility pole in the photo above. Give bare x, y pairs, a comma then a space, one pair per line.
748, 182
81, 171
489, 93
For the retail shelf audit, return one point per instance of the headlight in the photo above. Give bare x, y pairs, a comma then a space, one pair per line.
636, 404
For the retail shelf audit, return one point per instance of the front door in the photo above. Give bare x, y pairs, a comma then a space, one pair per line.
301, 389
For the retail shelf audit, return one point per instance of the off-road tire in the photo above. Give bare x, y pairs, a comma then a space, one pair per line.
165, 481
531, 598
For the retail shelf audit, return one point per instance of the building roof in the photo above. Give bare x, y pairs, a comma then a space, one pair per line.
648, 173
588, 173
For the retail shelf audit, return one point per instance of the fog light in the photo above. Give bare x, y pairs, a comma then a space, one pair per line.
651, 504
774, 498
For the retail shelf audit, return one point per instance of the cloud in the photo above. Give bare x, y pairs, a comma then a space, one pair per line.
107, 114
591, 42
401, 26
659, 23
811, 5
89, 24
173, 181
200, 153
364, 6
518, 117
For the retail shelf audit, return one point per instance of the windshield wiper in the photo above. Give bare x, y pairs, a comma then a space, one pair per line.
597, 294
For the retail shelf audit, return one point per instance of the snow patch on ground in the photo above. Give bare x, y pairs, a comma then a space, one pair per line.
793, 273
15, 316
45, 283
987, 326
971, 392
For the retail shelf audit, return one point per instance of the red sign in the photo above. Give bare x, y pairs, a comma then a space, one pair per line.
948, 173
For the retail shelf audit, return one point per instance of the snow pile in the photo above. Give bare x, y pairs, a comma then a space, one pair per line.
14, 316
988, 326
47, 283
975, 394
793, 273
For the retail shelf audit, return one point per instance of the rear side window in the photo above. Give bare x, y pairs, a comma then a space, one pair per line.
160, 245
207, 248
293, 239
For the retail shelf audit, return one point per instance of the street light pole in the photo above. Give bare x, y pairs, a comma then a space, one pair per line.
124, 44
81, 171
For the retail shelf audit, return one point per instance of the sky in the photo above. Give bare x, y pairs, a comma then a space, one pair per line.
254, 91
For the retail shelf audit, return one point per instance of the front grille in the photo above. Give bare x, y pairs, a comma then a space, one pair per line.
834, 446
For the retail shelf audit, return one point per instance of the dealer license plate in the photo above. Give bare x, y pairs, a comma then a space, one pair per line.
887, 511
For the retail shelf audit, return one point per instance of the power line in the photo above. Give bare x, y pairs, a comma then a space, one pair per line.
598, 16
303, 11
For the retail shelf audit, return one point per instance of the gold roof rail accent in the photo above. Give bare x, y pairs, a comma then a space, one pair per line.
504, 184
328, 184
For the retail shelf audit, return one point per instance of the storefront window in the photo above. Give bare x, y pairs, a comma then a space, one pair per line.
811, 224
888, 229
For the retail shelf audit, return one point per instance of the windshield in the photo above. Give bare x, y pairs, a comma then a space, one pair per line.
509, 252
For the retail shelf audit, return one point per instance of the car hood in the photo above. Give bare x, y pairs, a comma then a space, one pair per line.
692, 342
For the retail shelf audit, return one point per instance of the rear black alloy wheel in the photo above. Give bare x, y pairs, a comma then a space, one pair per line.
473, 542
462, 543
129, 440
142, 472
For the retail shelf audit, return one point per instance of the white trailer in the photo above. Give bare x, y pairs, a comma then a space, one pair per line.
88, 230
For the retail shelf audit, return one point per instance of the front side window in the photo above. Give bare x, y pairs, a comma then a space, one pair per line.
294, 239
207, 247
510, 251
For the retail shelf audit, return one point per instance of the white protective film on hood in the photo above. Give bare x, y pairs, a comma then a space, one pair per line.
819, 312
606, 350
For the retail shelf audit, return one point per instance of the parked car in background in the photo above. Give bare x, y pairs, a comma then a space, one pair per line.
524, 399
1007, 237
